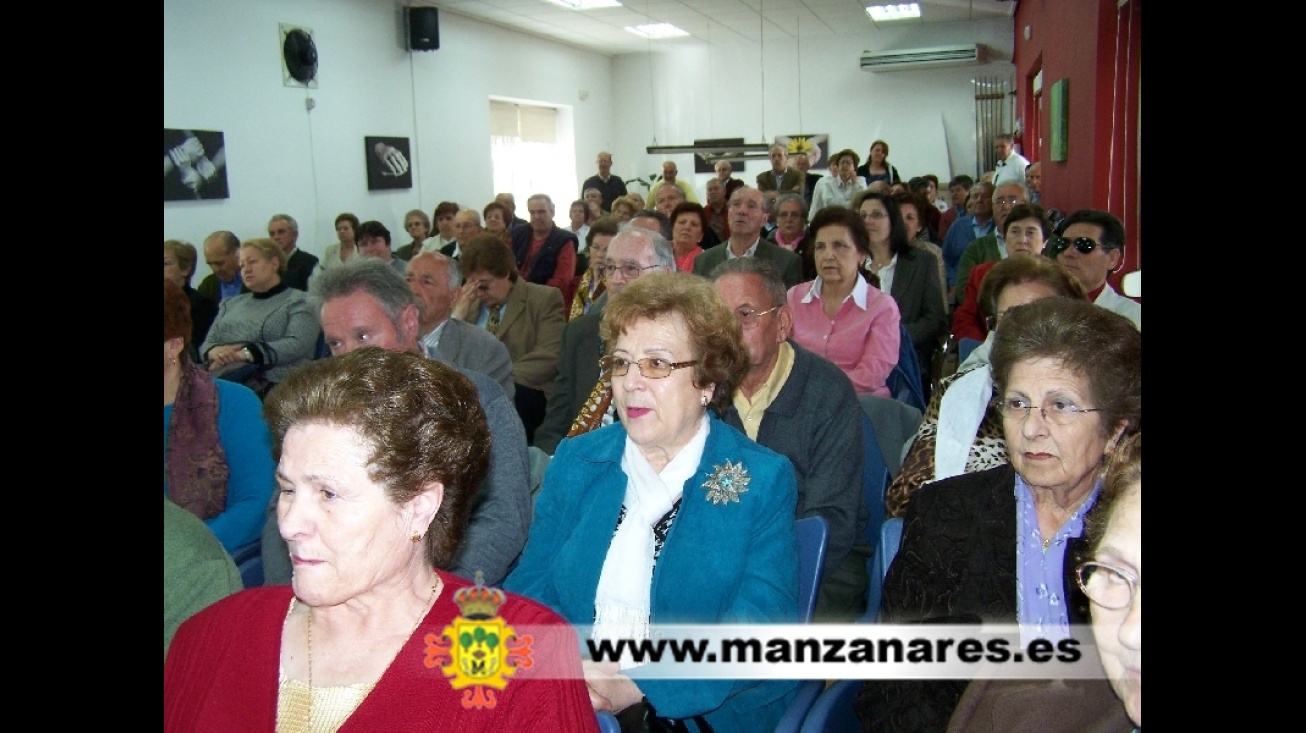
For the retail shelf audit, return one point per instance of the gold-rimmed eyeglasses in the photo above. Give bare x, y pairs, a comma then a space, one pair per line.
1109, 586
651, 367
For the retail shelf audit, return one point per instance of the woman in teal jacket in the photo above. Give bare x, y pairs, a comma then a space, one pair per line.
669, 515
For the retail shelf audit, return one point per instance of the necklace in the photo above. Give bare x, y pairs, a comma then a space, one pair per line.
435, 589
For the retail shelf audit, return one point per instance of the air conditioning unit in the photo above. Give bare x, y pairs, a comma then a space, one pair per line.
925, 58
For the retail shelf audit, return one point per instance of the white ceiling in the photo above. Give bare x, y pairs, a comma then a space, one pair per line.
712, 22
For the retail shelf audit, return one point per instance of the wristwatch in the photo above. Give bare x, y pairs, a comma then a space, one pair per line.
249, 355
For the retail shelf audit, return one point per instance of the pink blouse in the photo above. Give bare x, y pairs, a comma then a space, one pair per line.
862, 339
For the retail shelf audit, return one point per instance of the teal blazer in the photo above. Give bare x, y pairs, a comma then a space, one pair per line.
730, 563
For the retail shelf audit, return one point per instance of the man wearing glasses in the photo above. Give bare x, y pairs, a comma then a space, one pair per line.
1091, 246
802, 406
992, 246
581, 400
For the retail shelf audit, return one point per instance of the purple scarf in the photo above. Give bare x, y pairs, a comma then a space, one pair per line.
196, 464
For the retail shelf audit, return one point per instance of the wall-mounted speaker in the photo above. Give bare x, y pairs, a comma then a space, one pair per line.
423, 29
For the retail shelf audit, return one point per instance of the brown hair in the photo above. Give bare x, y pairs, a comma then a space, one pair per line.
1124, 476
1017, 270
176, 315
849, 152
689, 207
184, 253
714, 333
270, 249
422, 419
487, 253
1103, 347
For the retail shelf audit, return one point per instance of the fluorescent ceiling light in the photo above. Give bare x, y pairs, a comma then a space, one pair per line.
585, 4
904, 11
657, 30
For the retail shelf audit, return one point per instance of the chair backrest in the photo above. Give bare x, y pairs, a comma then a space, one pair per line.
813, 535
895, 424
249, 561
833, 711
904, 381
796, 714
885, 551
607, 722
964, 347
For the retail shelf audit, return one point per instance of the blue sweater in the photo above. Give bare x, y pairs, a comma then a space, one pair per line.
728, 563
248, 445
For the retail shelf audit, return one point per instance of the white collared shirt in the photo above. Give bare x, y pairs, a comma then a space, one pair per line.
858, 294
750, 252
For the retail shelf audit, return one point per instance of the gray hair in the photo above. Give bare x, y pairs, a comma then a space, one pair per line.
541, 197
664, 222
1024, 192
368, 275
770, 275
294, 225
455, 273
420, 215
790, 196
663, 256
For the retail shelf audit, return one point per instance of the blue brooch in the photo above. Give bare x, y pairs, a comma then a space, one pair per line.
727, 483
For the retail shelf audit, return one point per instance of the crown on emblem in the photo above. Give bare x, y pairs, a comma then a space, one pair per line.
479, 601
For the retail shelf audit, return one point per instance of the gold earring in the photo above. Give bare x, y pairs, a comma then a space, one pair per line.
416, 538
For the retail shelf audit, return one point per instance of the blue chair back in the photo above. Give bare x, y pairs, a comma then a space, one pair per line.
607, 722
964, 347
833, 711
885, 551
249, 561
904, 381
813, 536
796, 713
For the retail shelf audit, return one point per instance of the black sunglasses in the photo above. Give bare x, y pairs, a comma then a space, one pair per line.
1057, 245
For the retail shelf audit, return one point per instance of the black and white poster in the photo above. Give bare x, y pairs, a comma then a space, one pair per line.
194, 165
387, 163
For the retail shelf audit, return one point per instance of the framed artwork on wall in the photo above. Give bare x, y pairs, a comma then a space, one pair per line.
1060, 122
194, 165
702, 166
387, 163
817, 147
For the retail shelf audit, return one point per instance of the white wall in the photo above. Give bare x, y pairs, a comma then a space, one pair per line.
926, 116
222, 71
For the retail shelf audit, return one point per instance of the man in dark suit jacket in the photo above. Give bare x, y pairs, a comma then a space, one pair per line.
436, 281
284, 230
578, 357
781, 177
544, 250
747, 214
802, 164
804, 407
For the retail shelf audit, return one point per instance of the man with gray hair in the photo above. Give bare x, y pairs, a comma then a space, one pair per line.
466, 224
802, 406
545, 252
284, 230
222, 254
366, 303
748, 214
436, 281
581, 399
781, 177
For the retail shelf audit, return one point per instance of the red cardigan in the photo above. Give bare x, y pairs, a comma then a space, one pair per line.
221, 673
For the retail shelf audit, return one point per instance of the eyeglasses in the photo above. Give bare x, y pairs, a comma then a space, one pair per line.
628, 271
650, 367
749, 318
875, 214
1106, 585
1006, 201
1084, 245
1060, 411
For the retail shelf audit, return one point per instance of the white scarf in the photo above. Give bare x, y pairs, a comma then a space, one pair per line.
621, 601
961, 412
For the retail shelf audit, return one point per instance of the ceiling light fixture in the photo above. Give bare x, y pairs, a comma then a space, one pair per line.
585, 4
904, 11
657, 30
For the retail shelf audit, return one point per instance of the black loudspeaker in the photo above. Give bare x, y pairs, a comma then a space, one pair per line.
423, 29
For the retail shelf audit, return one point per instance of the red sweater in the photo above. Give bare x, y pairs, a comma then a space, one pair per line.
221, 673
